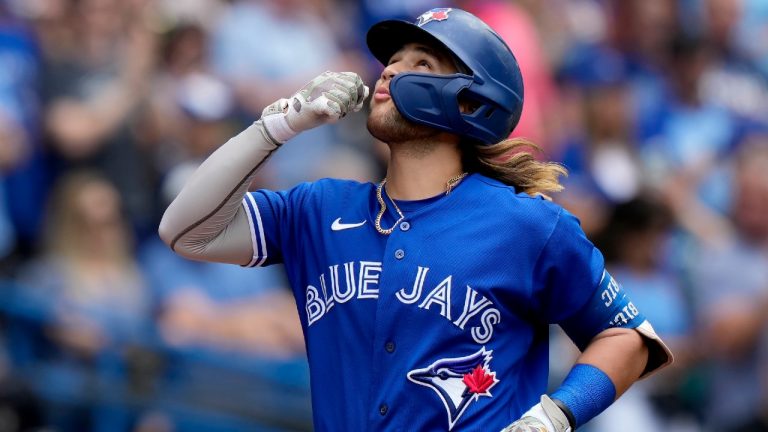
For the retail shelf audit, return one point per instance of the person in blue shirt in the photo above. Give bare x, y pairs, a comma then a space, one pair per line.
425, 299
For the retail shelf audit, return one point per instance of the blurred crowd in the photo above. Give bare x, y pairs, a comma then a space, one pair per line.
658, 108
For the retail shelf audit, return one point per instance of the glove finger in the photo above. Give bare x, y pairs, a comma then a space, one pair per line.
360, 88
348, 76
348, 87
320, 84
354, 80
342, 98
346, 95
357, 94
329, 105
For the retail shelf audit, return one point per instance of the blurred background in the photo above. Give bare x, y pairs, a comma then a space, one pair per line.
657, 107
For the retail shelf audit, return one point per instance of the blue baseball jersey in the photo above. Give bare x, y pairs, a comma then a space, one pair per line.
442, 325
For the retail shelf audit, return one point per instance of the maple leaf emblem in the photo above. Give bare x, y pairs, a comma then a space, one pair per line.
440, 15
458, 381
479, 381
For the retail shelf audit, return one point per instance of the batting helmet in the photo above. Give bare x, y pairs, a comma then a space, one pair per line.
489, 75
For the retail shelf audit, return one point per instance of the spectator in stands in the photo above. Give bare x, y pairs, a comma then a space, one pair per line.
12, 144
602, 159
21, 176
188, 102
640, 32
751, 32
731, 282
91, 299
94, 85
735, 80
87, 276
684, 160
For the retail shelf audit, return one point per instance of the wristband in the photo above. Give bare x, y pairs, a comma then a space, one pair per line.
586, 392
277, 127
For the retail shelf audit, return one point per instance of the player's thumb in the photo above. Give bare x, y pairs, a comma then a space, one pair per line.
362, 97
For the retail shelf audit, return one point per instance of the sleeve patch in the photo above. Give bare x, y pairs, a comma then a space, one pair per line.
609, 306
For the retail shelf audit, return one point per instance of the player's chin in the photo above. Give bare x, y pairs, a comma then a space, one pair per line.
377, 120
381, 110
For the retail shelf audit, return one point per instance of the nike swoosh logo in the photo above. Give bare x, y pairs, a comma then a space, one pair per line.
338, 226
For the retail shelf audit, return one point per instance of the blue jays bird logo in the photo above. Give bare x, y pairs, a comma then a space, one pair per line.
458, 381
437, 14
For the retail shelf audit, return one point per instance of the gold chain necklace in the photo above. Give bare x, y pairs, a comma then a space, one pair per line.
449, 185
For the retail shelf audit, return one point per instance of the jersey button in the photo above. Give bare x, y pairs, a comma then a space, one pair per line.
383, 408
399, 254
405, 226
390, 347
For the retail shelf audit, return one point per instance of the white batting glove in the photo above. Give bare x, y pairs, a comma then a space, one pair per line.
327, 98
542, 417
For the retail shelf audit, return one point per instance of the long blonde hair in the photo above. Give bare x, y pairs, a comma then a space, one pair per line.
512, 162
69, 229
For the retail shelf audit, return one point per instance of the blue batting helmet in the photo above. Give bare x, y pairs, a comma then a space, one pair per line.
489, 75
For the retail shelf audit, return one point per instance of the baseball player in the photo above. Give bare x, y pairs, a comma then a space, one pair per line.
425, 299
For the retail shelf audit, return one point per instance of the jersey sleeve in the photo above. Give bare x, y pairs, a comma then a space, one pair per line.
271, 217
568, 270
583, 298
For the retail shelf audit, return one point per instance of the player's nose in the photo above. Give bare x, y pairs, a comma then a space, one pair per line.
390, 71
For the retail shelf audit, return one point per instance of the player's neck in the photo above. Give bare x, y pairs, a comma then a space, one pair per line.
413, 175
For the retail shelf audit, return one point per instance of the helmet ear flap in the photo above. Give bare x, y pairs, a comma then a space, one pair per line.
436, 101
430, 99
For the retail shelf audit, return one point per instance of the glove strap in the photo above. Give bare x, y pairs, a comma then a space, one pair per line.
567, 412
537, 412
275, 122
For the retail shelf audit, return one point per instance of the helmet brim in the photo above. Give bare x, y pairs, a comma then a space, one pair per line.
386, 38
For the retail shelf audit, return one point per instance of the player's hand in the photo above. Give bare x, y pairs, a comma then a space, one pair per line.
542, 417
327, 98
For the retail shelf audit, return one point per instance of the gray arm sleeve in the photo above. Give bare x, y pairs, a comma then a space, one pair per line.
207, 221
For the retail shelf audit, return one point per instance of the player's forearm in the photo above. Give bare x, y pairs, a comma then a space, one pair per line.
612, 361
621, 353
206, 220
